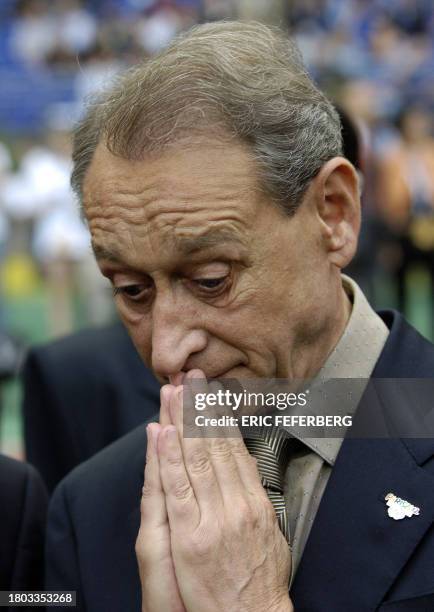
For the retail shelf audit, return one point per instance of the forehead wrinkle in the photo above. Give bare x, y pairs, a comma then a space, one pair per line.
112, 203
206, 201
191, 232
102, 216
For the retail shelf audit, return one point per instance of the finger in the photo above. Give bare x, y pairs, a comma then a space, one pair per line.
195, 381
249, 477
247, 468
221, 450
152, 505
196, 458
165, 394
181, 503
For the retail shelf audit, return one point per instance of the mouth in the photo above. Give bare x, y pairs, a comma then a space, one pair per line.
232, 372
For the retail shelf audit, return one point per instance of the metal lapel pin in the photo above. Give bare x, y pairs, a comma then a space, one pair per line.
399, 508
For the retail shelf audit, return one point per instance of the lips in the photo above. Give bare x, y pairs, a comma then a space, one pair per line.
230, 373
177, 379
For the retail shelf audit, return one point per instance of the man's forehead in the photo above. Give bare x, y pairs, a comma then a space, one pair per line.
177, 205
223, 169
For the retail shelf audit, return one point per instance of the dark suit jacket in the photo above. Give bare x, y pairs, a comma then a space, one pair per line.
356, 558
23, 506
81, 393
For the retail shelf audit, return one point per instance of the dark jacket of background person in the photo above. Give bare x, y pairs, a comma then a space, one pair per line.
356, 558
23, 506
80, 394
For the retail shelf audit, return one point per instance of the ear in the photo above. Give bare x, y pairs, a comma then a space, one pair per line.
337, 201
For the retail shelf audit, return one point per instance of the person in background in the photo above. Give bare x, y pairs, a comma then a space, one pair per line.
406, 195
23, 507
81, 393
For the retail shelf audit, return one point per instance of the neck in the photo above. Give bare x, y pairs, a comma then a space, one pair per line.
312, 355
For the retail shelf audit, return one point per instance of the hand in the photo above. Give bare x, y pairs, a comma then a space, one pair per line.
227, 549
157, 575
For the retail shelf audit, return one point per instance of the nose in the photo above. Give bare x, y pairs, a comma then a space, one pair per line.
175, 336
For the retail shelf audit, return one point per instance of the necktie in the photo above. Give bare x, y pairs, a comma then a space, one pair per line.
271, 446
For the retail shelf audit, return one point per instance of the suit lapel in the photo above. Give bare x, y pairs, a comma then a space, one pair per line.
355, 550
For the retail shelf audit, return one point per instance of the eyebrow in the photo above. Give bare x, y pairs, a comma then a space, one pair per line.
101, 252
188, 245
192, 244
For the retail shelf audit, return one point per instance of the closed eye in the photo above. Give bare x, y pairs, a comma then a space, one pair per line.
210, 283
133, 292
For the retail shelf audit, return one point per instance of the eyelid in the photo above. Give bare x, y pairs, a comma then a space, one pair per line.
222, 286
122, 279
204, 277
210, 278
123, 290
215, 269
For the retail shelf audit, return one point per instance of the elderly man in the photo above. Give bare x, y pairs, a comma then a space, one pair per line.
222, 212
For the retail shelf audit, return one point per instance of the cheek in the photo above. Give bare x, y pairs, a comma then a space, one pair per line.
248, 328
140, 332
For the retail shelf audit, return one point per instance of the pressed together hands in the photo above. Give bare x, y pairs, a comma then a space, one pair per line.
209, 539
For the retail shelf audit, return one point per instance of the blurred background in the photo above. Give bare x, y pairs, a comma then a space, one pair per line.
375, 59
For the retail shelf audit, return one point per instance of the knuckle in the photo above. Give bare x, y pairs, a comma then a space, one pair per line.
194, 544
245, 517
144, 501
175, 461
220, 448
201, 545
239, 448
199, 462
182, 490
146, 490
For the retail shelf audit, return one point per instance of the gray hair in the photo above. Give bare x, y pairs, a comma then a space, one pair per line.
237, 80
